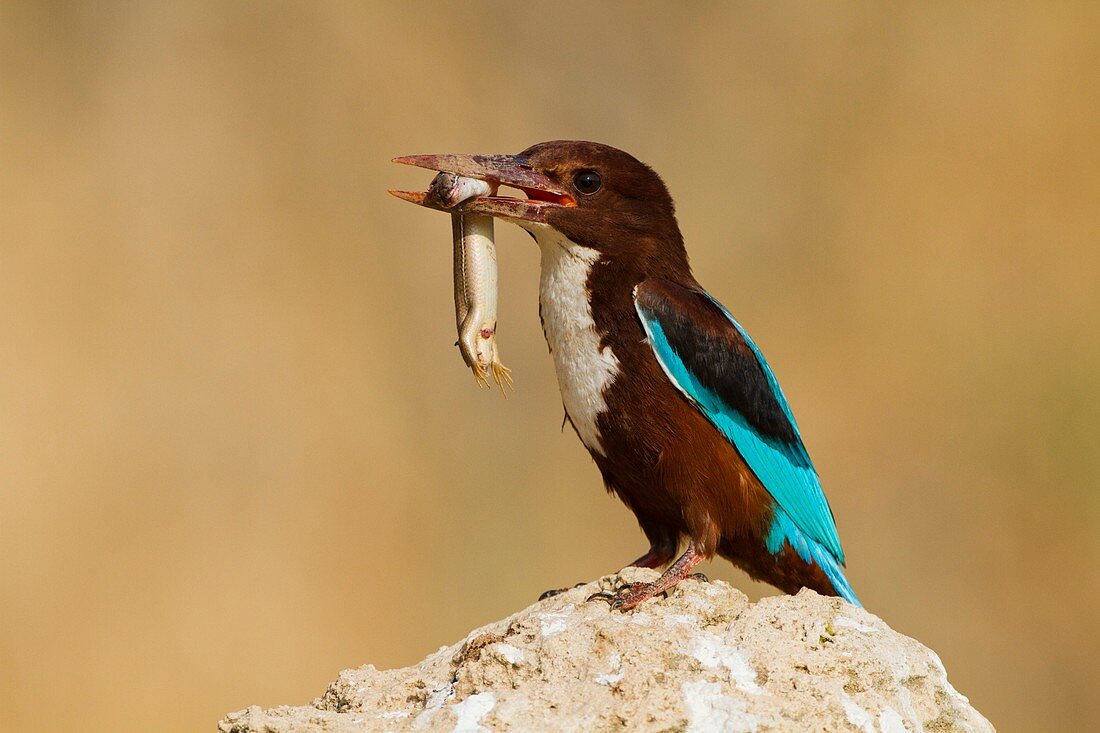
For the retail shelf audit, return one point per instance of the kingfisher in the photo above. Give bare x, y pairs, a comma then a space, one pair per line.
669, 394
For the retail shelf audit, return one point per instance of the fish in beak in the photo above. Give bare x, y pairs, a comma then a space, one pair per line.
540, 193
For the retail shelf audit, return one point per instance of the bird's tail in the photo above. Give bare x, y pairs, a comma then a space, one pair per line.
811, 551
834, 572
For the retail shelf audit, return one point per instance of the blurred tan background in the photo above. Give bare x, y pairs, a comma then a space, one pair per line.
238, 451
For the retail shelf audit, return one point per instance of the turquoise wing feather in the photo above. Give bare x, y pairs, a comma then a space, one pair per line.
686, 350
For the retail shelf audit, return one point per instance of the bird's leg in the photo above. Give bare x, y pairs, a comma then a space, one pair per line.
662, 546
631, 595
655, 558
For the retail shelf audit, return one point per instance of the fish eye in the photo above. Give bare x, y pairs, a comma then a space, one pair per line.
587, 182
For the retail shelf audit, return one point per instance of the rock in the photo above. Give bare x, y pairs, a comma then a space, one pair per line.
703, 660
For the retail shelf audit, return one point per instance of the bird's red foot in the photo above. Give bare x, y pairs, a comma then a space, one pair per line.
626, 597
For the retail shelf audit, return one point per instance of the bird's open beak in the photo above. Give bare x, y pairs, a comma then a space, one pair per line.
514, 171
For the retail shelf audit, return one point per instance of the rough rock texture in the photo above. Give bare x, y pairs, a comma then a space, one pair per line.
703, 660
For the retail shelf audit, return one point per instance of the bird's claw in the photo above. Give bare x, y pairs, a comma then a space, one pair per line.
608, 596
557, 591
701, 577
627, 595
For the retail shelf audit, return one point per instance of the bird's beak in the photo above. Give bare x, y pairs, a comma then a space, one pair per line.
540, 193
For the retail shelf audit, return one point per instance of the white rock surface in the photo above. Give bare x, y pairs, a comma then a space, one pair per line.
703, 660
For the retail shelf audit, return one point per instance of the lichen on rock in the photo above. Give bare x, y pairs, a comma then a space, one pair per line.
703, 660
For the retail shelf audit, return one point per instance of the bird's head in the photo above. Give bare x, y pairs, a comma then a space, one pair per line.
577, 193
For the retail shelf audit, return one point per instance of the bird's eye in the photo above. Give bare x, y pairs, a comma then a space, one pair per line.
587, 182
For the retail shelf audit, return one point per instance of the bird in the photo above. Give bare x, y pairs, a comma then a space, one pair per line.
671, 397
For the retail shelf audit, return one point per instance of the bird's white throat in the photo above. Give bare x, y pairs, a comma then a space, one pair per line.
584, 370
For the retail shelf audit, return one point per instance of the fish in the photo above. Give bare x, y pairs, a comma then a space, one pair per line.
475, 278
